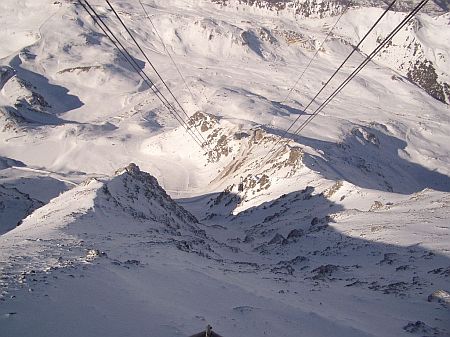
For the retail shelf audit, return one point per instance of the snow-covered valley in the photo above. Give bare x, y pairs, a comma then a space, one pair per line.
115, 222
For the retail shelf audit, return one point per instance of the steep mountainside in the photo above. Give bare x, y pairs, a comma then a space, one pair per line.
129, 204
419, 56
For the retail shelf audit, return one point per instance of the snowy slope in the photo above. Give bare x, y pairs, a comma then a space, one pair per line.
416, 53
136, 263
339, 231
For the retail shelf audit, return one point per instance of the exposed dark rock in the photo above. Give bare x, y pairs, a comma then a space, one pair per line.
278, 239
388, 258
285, 270
248, 239
240, 135
295, 234
324, 272
295, 261
402, 268
356, 283
10, 120
420, 327
423, 74
395, 288
441, 271
78, 69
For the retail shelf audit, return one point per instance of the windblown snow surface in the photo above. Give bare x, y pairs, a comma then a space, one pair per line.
114, 222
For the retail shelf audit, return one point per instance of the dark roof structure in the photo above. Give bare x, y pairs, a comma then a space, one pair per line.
203, 334
207, 333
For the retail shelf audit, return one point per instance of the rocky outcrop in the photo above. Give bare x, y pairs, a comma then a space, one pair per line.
324, 8
139, 194
423, 74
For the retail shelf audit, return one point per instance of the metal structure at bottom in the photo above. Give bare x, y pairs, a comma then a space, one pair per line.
207, 333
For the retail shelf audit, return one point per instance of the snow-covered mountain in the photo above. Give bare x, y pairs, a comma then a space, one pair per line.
341, 230
421, 57
131, 203
323, 8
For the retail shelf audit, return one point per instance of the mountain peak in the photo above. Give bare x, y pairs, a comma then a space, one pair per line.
132, 169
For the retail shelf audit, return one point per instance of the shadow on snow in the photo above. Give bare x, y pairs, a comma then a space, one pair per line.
370, 158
